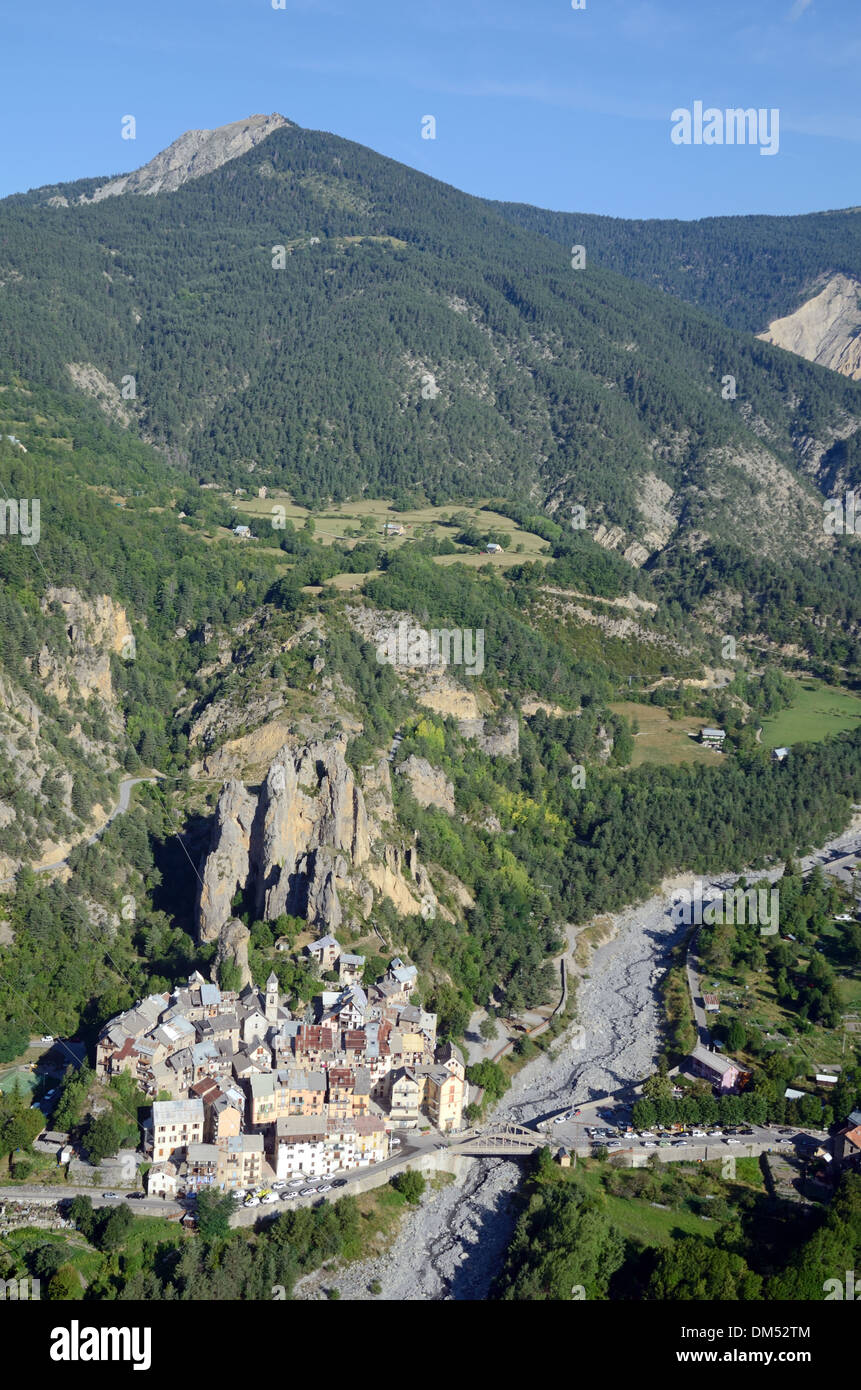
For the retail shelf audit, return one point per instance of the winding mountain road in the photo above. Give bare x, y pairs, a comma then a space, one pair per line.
121, 807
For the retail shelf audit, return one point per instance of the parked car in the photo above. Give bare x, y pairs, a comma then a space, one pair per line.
650, 1144
325, 1187
308, 1192
296, 1182
340, 1182
251, 1202
46, 1038
559, 1119
278, 1186
680, 1143
699, 1134
287, 1196
269, 1197
110, 1194
395, 1143
732, 1141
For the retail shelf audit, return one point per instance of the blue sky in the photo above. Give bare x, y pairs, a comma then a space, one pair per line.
534, 101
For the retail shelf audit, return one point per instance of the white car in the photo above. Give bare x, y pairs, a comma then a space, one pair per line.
308, 1192
646, 1134
269, 1197
287, 1196
278, 1186
396, 1143
699, 1134
560, 1119
325, 1187
251, 1202
650, 1144
296, 1182
46, 1038
732, 1141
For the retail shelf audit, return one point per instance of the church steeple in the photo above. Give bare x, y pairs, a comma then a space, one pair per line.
272, 998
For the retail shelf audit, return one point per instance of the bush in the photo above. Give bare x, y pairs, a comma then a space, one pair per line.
410, 1185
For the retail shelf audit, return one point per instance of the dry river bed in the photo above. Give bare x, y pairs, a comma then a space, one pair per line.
453, 1245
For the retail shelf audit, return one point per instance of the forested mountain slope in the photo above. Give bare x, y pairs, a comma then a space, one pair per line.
746, 271
409, 337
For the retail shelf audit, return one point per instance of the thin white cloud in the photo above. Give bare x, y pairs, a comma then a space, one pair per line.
798, 9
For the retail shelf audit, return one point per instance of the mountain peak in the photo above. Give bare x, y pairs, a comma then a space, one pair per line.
194, 154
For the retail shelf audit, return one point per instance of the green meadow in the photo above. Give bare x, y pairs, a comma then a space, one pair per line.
817, 711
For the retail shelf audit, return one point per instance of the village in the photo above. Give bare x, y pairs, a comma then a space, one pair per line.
245, 1093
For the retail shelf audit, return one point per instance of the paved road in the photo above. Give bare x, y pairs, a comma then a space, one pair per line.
48, 1194
121, 807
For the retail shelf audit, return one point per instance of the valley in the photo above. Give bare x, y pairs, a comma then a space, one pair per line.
412, 614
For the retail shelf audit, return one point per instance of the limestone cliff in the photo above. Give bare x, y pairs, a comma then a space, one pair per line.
826, 329
226, 868
290, 848
95, 629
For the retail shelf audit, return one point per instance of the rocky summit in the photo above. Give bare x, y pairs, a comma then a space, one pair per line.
195, 153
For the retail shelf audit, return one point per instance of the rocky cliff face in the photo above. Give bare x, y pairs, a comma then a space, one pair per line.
292, 847
827, 329
95, 629
194, 154
429, 785
228, 863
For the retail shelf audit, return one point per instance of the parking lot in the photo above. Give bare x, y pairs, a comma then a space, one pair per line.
587, 1129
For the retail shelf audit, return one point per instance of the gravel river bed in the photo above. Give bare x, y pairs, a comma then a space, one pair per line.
453, 1244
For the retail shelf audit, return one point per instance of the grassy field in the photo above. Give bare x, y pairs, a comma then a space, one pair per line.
664, 740
638, 1219
344, 522
816, 712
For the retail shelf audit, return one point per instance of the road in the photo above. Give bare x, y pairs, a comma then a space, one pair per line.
121, 807
48, 1194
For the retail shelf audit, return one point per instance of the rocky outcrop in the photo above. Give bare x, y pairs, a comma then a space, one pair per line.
194, 154
429, 785
227, 866
95, 629
377, 790
827, 329
396, 633
233, 946
105, 393
288, 847
496, 738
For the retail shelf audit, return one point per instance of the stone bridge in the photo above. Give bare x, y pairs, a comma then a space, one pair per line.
503, 1140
